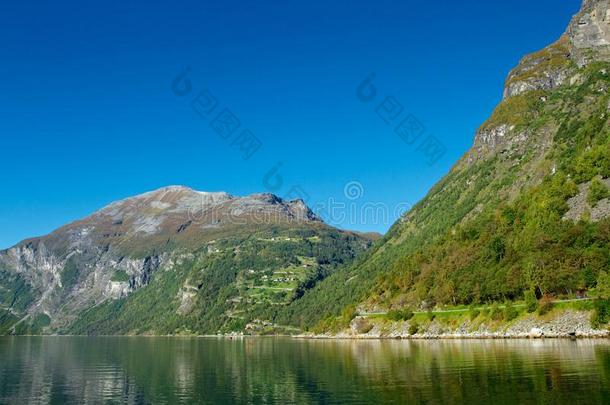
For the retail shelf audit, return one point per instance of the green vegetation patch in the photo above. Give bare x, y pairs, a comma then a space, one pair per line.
34, 325
601, 314
120, 276
15, 292
597, 192
69, 274
552, 58
7, 321
245, 278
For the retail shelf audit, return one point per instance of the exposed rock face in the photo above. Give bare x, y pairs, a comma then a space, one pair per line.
503, 138
589, 32
492, 138
580, 207
179, 209
543, 70
63, 284
587, 39
548, 80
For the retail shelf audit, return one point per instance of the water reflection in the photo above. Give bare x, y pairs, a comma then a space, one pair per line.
254, 370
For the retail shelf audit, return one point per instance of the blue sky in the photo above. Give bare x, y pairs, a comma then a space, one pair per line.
88, 115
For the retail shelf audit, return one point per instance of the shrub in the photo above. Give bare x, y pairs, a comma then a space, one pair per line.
400, 315
348, 314
335, 324
601, 313
546, 305
497, 249
603, 285
407, 314
595, 161
413, 328
597, 192
510, 312
474, 312
496, 313
531, 303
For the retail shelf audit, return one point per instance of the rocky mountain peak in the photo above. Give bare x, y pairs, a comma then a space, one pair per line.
179, 198
589, 32
176, 213
586, 40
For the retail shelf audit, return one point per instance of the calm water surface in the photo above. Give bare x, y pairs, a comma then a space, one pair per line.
278, 370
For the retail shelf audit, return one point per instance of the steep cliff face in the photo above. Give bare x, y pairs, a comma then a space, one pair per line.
586, 40
516, 213
61, 284
47, 283
543, 70
589, 33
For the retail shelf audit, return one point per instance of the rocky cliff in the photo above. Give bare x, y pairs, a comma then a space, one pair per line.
586, 40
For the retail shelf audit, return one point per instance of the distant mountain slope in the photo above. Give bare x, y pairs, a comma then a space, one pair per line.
526, 208
169, 261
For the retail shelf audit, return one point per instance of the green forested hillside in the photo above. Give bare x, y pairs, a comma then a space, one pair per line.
528, 213
227, 284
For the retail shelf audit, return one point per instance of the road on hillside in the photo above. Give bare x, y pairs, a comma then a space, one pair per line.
447, 311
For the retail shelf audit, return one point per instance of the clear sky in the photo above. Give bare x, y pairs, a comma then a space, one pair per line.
88, 115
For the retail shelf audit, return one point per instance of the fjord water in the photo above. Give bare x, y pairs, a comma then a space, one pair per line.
256, 370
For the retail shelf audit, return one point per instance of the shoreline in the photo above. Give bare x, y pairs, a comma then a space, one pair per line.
603, 335
560, 324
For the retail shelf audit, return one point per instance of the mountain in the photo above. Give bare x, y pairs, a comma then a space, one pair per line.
524, 213
170, 261
525, 209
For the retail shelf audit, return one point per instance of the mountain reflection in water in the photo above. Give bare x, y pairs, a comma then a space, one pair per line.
254, 370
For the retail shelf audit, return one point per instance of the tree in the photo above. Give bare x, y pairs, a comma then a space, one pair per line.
531, 303
603, 285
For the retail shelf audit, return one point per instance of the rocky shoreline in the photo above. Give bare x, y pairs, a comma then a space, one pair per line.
569, 325
472, 336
